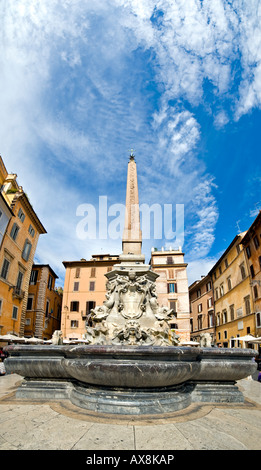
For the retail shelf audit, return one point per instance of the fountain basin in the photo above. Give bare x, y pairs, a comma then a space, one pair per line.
130, 379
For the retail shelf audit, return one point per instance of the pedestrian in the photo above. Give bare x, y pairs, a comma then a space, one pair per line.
2, 367
2, 354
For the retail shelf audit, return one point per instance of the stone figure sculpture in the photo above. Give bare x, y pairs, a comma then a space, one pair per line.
131, 304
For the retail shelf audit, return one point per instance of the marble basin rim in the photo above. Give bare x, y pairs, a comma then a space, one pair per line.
134, 367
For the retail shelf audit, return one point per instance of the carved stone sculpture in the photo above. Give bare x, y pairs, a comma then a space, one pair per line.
57, 337
130, 313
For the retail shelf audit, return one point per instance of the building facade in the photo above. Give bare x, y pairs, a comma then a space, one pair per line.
234, 310
172, 288
44, 303
84, 288
17, 251
202, 310
252, 246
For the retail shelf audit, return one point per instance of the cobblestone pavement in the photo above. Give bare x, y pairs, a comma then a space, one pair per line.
36, 425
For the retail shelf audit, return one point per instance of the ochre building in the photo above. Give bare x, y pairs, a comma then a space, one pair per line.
84, 288
172, 288
202, 310
234, 309
252, 247
17, 251
44, 303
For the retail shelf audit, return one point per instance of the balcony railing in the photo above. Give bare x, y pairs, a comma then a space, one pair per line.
18, 293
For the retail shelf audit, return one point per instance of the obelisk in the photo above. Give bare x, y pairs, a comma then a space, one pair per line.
132, 237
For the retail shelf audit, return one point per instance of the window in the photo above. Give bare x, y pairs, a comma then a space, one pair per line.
15, 313
255, 292
208, 286
21, 215
210, 302
221, 290
252, 270
232, 312
92, 286
89, 306
198, 293
169, 260
172, 287
256, 242
220, 270
93, 272
28, 321
258, 319
14, 231
243, 272
216, 293
225, 334
218, 319
76, 286
77, 272
50, 282
229, 283
259, 259
226, 263
19, 280
74, 306
31, 230
248, 251
210, 320
199, 308
47, 308
74, 323
173, 306
238, 249
224, 316
247, 304
30, 303
5, 269
33, 277
200, 322
1, 306
26, 250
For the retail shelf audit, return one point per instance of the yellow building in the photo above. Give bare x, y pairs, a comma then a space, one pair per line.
252, 246
44, 303
172, 288
234, 312
16, 254
84, 288
202, 309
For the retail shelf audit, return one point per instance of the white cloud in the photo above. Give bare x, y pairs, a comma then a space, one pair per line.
199, 267
73, 90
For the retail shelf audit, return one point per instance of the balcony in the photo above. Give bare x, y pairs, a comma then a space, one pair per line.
17, 293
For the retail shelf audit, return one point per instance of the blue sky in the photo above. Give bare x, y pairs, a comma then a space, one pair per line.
83, 82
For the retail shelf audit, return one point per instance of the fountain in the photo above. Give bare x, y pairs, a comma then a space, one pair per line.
132, 363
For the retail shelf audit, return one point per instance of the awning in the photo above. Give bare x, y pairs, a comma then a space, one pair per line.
247, 338
11, 338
